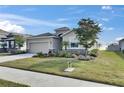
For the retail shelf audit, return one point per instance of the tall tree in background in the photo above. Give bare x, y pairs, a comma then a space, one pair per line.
19, 40
87, 33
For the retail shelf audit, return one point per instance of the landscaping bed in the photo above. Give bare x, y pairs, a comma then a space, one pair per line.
4, 83
107, 68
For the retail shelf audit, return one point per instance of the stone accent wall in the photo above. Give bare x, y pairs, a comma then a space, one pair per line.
79, 51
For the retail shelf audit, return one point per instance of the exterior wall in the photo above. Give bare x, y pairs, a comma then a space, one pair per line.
53, 43
121, 45
71, 37
61, 32
24, 46
33, 40
2, 36
113, 47
56, 44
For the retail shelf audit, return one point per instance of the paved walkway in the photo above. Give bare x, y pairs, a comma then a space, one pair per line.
14, 57
43, 80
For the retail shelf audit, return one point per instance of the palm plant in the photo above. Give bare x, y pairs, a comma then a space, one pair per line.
65, 44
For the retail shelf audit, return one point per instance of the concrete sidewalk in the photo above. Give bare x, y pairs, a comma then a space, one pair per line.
35, 79
14, 57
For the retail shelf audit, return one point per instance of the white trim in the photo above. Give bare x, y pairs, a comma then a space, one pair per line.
42, 37
66, 33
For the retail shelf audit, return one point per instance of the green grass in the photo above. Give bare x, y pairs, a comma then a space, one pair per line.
4, 83
108, 67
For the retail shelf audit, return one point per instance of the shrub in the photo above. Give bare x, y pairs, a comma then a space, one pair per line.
94, 52
64, 54
18, 52
51, 54
123, 51
40, 54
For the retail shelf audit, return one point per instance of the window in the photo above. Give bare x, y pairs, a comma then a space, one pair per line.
12, 44
74, 45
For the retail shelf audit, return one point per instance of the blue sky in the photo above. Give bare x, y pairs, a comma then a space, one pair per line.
39, 19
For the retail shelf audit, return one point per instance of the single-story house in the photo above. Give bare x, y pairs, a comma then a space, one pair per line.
121, 44
113, 47
53, 42
43, 43
7, 41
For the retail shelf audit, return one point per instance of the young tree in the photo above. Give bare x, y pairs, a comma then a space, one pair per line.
65, 44
87, 33
19, 40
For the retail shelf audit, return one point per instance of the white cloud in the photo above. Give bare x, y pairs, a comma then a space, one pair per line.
8, 26
108, 28
100, 25
21, 20
119, 38
107, 7
105, 19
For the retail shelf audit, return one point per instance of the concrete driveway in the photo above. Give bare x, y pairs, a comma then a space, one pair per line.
14, 57
35, 79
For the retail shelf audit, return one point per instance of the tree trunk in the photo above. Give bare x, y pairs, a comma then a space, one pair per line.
86, 52
65, 47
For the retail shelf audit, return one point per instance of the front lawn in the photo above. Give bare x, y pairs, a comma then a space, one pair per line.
108, 67
4, 83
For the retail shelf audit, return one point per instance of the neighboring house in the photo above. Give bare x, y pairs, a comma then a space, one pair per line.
121, 44
7, 41
113, 47
53, 42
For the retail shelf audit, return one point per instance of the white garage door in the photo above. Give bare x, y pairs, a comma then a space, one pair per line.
39, 47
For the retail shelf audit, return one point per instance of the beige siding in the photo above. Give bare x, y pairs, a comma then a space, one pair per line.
121, 45
71, 37
42, 44
56, 44
39, 43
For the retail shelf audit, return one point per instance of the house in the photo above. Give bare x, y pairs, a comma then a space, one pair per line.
113, 47
53, 42
7, 41
43, 43
121, 44
74, 45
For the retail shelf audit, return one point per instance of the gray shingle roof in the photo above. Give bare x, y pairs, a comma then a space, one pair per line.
45, 34
62, 29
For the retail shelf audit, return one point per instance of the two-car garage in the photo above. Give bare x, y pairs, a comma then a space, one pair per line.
36, 47
43, 44
38, 44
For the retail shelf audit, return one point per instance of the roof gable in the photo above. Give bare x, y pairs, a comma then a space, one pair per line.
62, 29
45, 34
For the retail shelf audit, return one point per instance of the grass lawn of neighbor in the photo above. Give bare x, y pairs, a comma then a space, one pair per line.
107, 68
4, 83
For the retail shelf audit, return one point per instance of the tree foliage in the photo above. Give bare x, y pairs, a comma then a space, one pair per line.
19, 40
87, 32
65, 44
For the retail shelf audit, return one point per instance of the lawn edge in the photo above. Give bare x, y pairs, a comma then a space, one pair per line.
20, 84
50, 73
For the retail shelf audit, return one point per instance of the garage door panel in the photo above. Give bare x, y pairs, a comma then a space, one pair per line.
39, 47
